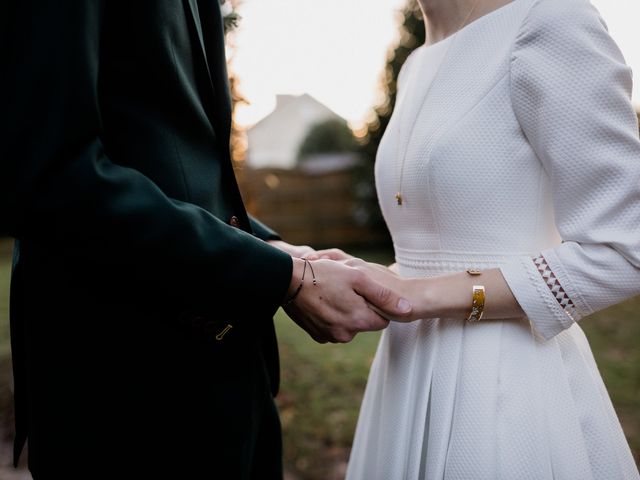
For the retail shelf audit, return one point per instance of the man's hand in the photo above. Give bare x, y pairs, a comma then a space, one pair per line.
388, 276
296, 251
341, 303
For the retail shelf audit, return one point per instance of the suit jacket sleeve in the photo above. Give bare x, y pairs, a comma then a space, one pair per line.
262, 231
571, 94
58, 187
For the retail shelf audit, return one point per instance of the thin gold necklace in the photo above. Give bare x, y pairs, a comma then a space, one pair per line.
399, 195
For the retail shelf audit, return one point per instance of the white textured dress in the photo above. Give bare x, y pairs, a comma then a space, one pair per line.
525, 156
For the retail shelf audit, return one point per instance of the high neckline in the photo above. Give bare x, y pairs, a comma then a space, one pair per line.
475, 22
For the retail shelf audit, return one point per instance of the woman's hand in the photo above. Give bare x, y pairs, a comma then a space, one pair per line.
329, 254
442, 296
373, 269
448, 295
296, 251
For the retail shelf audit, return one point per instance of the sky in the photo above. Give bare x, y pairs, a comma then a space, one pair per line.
335, 50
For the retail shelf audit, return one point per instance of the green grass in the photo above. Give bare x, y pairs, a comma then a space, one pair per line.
322, 385
614, 335
5, 273
321, 391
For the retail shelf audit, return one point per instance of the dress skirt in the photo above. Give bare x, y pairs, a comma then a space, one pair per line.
448, 399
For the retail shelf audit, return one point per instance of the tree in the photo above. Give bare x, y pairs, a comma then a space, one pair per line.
329, 136
412, 35
237, 141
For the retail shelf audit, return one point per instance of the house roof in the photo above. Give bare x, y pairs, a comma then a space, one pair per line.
285, 101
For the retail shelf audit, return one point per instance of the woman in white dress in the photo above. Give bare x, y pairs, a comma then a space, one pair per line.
513, 152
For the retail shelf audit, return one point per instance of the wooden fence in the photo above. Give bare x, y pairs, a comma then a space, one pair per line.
318, 209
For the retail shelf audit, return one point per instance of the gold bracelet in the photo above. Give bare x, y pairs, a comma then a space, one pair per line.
477, 296
477, 305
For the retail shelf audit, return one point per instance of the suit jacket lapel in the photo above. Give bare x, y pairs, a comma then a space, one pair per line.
213, 34
206, 20
209, 30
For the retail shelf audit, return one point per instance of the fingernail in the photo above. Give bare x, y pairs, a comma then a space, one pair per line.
404, 306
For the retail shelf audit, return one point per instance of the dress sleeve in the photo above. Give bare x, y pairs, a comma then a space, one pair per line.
571, 92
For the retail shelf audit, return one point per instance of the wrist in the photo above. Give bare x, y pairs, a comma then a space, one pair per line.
421, 293
446, 296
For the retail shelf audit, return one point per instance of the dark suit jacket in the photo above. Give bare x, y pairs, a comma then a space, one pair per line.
135, 251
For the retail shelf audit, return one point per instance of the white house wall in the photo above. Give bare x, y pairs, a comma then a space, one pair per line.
274, 142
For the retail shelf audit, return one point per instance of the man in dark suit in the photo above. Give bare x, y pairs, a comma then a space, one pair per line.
142, 292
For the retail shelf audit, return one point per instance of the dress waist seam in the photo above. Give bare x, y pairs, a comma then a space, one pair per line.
451, 260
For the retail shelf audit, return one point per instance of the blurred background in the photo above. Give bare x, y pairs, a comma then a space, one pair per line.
314, 85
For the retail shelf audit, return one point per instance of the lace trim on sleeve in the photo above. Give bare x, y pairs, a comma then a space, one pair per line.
554, 285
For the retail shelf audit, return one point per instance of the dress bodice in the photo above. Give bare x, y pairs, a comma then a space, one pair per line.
470, 181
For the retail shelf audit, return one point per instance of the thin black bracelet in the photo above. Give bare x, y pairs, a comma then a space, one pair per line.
313, 274
295, 294
304, 271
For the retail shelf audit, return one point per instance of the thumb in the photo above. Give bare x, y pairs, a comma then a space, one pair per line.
382, 299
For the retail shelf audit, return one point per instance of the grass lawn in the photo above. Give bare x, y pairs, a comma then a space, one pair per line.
5, 273
6, 399
322, 385
321, 390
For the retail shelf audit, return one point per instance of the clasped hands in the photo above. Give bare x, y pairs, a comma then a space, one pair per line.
356, 296
350, 295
